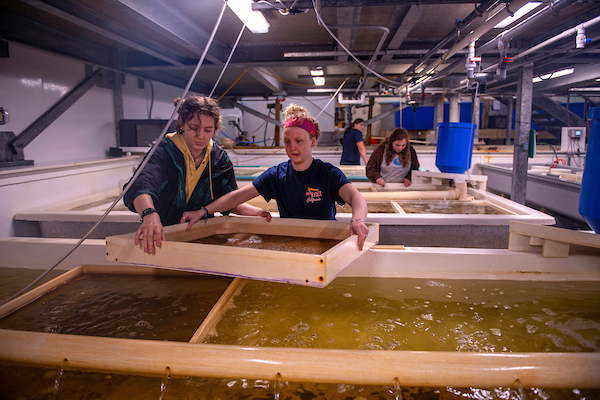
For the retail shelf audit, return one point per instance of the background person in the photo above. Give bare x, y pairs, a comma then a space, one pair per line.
303, 187
187, 171
393, 160
353, 146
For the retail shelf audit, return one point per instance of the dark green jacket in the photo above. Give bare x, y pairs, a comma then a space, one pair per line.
164, 179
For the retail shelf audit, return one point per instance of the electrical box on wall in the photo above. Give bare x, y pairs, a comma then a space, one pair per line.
572, 139
232, 124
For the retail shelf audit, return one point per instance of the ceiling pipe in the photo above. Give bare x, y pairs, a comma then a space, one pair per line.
342, 100
386, 32
540, 16
565, 34
470, 37
483, 7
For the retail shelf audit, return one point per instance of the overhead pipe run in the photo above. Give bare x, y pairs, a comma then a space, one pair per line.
540, 16
470, 37
343, 100
483, 7
565, 34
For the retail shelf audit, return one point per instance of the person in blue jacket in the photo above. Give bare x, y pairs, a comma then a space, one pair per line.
353, 146
188, 170
304, 187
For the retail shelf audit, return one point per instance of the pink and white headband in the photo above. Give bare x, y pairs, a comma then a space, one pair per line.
304, 124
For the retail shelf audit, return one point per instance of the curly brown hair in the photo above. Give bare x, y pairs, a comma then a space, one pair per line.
397, 134
294, 111
197, 105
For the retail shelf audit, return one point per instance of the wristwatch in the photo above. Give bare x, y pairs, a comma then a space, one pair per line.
147, 211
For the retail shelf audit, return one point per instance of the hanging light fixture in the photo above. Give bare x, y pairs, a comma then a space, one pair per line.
254, 20
318, 76
518, 14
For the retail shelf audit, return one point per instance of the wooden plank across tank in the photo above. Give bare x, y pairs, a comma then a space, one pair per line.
197, 250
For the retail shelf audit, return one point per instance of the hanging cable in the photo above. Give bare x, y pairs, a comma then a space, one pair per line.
233, 84
348, 51
140, 168
332, 97
227, 62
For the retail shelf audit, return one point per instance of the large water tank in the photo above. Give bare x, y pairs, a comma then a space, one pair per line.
454, 146
589, 198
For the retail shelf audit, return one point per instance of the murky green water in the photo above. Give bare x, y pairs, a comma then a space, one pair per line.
32, 383
373, 207
417, 314
351, 313
270, 242
125, 306
14, 279
448, 207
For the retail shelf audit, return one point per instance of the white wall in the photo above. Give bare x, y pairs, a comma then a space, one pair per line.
138, 102
27, 189
31, 82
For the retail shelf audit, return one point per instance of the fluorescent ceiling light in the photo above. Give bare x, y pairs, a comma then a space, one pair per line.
518, 14
319, 80
318, 76
254, 20
321, 90
585, 89
553, 75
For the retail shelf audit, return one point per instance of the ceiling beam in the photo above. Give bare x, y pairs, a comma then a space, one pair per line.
75, 14
346, 16
268, 78
413, 15
408, 18
32, 34
307, 4
173, 24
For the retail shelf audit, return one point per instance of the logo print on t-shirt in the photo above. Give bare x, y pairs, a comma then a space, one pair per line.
313, 195
397, 161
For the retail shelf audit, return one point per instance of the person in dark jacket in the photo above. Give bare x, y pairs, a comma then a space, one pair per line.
393, 160
186, 172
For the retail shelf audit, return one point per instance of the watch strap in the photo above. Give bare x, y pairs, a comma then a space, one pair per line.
147, 211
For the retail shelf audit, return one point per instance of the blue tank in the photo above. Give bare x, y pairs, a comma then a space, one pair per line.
589, 198
454, 147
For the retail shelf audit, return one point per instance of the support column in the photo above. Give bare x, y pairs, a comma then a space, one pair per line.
523, 125
454, 109
277, 117
118, 103
509, 120
369, 116
476, 115
439, 114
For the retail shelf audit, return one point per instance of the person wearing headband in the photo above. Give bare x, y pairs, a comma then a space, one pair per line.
187, 171
304, 187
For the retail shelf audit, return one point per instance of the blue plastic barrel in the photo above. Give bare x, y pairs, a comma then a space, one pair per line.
589, 197
454, 146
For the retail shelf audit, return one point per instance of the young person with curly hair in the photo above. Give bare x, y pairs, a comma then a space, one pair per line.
187, 171
304, 187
